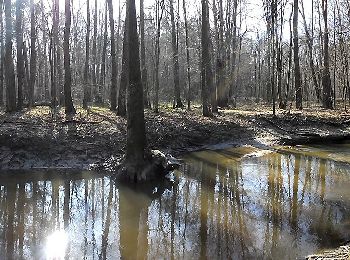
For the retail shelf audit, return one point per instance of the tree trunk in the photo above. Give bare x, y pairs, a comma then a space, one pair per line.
229, 92
274, 36
143, 56
87, 57
220, 61
2, 54
297, 75
69, 107
159, 17
26, 68
124, 78
290, 51
310, 40
20, 60
335, 59
187, 58
326, 77
113, 97
45, 69
101, 85
94, 73
32, 53
9, 68
279, 47
136, 134
174, 43
205, 65
57, 61
53, 49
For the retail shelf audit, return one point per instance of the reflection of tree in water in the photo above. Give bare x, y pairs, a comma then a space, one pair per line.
134, 201
211, 212
32, 209
223, 228
10, 212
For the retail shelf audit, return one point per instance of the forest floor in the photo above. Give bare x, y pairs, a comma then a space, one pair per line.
37, 138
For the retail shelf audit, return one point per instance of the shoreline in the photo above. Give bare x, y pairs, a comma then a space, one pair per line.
36, 139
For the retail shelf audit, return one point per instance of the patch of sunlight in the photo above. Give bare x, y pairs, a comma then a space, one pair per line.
99, 109
56, 245
258, 153
222, 157
38, 111
334, 152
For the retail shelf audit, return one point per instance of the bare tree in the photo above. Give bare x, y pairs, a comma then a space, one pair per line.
9, 68
124, 78
33, 54
99, 97
94, 73
175, 47
69, 107
136, 133
2, 54
20, 60
143, 55
113, 96
54, 42
310, 44
159, 17
326, 77
188, 67
297, 75
87, 57
205, 66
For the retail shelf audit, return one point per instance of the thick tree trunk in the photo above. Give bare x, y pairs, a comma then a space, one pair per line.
136, 134
87, 57
20, 60
326, 77
297, 75
9, 68
174, 44
113, 96
32, 53
69, 107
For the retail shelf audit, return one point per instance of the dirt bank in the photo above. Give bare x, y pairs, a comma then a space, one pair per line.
38, 139
340, 253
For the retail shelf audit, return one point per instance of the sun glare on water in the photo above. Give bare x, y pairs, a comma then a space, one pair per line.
56, 245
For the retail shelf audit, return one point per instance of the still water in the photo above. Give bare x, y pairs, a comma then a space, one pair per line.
239, 203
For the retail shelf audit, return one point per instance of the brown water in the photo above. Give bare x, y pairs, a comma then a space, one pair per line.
238, 203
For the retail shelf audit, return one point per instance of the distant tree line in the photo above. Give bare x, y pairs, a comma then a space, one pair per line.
79, 54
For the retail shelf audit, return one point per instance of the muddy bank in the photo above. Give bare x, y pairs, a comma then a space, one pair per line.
39, 139
340, 253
